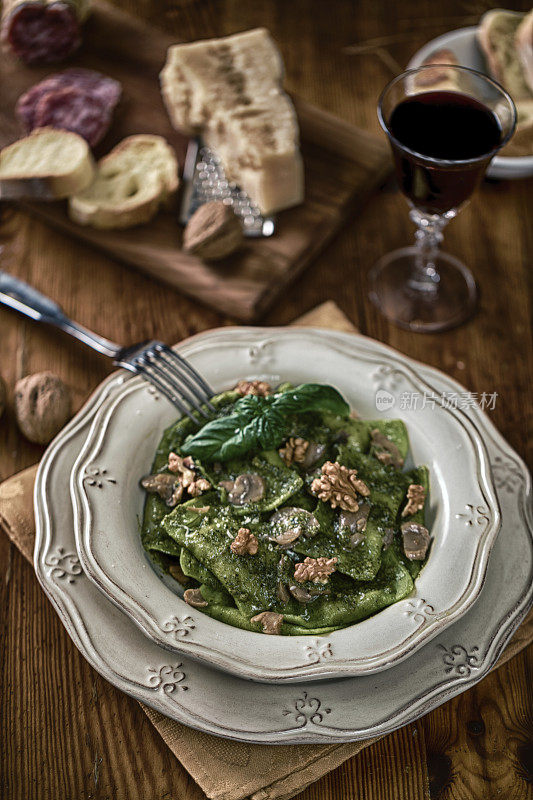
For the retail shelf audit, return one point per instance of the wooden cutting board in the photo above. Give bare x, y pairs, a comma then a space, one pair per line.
343, 165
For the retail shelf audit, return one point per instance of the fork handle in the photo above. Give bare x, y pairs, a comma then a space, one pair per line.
23, 298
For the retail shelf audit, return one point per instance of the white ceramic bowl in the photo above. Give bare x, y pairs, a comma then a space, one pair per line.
329, 712
463, 43
464, 514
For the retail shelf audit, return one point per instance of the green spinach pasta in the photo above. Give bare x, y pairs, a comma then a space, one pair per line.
284, 513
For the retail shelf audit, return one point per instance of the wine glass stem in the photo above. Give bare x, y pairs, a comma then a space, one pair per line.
425, 277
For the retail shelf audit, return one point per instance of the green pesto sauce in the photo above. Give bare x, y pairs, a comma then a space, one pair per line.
367, 578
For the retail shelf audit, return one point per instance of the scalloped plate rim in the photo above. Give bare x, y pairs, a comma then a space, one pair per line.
235, 657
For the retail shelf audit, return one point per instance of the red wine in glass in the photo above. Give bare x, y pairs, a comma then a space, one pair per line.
448, 126
443, 135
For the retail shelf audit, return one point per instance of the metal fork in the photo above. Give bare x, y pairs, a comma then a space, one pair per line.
169, 372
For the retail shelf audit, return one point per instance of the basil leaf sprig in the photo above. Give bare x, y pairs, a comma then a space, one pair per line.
260, 423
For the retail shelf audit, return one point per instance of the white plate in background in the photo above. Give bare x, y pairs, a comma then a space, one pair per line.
463, 42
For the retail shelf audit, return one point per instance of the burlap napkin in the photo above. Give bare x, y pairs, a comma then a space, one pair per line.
227, 770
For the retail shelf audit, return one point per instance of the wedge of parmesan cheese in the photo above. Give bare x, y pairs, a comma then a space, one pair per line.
229, 91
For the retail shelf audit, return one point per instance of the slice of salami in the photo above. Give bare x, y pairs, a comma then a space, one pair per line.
98, 86
40, 33
75, 109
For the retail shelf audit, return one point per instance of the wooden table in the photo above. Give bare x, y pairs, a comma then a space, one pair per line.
67, 733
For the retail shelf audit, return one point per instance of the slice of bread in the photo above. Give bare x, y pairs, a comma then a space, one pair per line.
524, 47
48, 164
497, 38
130, 185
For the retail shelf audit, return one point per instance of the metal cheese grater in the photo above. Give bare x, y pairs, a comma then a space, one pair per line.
204, 180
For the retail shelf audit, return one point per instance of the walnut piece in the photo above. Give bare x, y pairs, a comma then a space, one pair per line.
385, 449
171, 487
257, 388
245, 543
3, 395
339, 486
42, 406
270, 621
317, 570
194, 598
166, 486
213, 232
294, 451
416, 497
187, 477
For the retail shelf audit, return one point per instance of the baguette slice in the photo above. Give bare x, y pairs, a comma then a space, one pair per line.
48, 164
130, 185
524, 47
497, 38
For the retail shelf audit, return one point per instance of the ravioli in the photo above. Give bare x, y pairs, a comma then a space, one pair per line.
286, 525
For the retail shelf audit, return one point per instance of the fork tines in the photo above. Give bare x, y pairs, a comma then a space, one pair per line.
174, 377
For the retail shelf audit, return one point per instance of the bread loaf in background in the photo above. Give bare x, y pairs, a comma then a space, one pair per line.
230, 91
524, 47
497, 34
48, 164
506, 40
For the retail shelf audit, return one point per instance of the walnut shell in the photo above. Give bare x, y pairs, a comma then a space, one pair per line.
213, 232
42, 406
3, 394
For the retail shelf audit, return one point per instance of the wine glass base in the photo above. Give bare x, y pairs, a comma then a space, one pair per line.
444, 304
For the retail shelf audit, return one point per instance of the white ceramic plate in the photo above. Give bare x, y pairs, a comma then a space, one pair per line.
463, 43
120, 449
331, 712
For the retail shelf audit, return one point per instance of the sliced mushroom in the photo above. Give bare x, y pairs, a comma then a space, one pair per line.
286, 538
282, 593
178, 574
270, 621
300, 594
195, 598
314, 453
388, 538
355, 521
386, 451
166, 486
285, 516
415, 541
305, 595
246, 488
357, 538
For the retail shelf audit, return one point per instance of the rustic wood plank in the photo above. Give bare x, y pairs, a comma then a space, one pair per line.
57, 717
342, 166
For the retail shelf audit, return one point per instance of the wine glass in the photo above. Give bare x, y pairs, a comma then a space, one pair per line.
443, 139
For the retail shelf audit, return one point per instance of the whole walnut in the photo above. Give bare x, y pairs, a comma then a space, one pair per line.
42, 406
2, 396
213, 232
